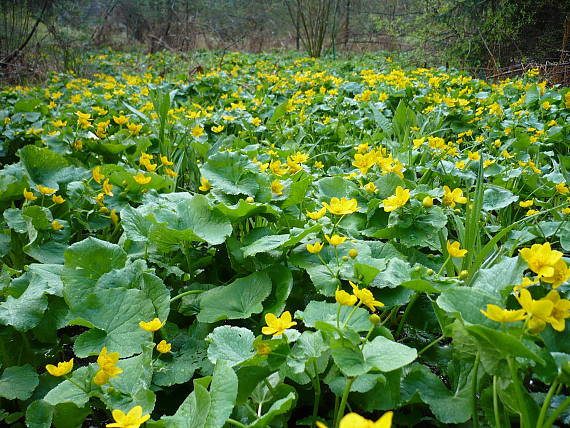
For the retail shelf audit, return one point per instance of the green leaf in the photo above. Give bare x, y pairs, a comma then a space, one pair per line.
85, 262
468, 303
387, 355
39, 414
282, 281
237, 300
448, 407
26, 311
193, 411
279, 407
265, 244
115, 315
397, 272
228, 172
330, 187
193, 219
68, 392
49, 168
243, 210
495, 198
233, 345
532, 95
324, 281
12, 182
308, 347
223, 393
18, 382
508, 272
326, 312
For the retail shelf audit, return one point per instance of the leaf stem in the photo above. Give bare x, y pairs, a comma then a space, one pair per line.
406, 314
432, 343
525, 420
496, 404
474, 390
186, 293
317, 386
236, 423
556, 413
343, 400
547, 400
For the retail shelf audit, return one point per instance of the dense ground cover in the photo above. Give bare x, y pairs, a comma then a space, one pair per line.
280, 241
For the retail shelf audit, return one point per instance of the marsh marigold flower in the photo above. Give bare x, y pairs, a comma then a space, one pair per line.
315, 248
495, 313
538, 311
29, 195
344, 298
141, 179
541, 259
365, 296
277, 187
107, 366
133, 419
317, 215
62, 368
450, 198
454, 250
341, 206
45, 190
354, 420
197, 131
277, 326
153, 325
96, 174
399, 199
163, 347
204, 184
560, 310
335, 240
57, 199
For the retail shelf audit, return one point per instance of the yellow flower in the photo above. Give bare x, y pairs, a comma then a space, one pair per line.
371, 188
204, 184
170, 172
277, 187
318, 165
57, 199
121, 120
114, 216
165, 161
495, 313
473, 156
62, 368
538, 310
107, 188
134, 128
141, 179
45, 190
454, 250
153, 325
217, 129
531, 212
354, 420
450, 198
560, 276
84, 119
335, 240
317, 215
562, 188
365, 296
56, 225
256, 121
560, 310
275, 167
397, 200
107, 366
315, 248
276, 326
541, 259
299, 157
526, 204
58, 123
133, 419
197, 131
96, 174
163, 347
342, 206
29, 195
344, 298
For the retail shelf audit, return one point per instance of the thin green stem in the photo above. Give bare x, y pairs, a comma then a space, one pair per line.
351, 314
186, 293
343, 400
525, 419
432, 343
474, 390
317, 387
556, 413
443, 265
406, 314
76, 384
546, 404
496, 404
269, 387
236, 423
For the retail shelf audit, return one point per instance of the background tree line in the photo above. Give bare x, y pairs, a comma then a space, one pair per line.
466, 33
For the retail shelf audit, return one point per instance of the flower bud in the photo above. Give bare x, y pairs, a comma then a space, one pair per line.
353, 253
430, 272
427, 202
344, 258
463, 274
249, 200
374, 319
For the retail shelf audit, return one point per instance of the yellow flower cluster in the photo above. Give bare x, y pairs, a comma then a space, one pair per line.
361, 295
